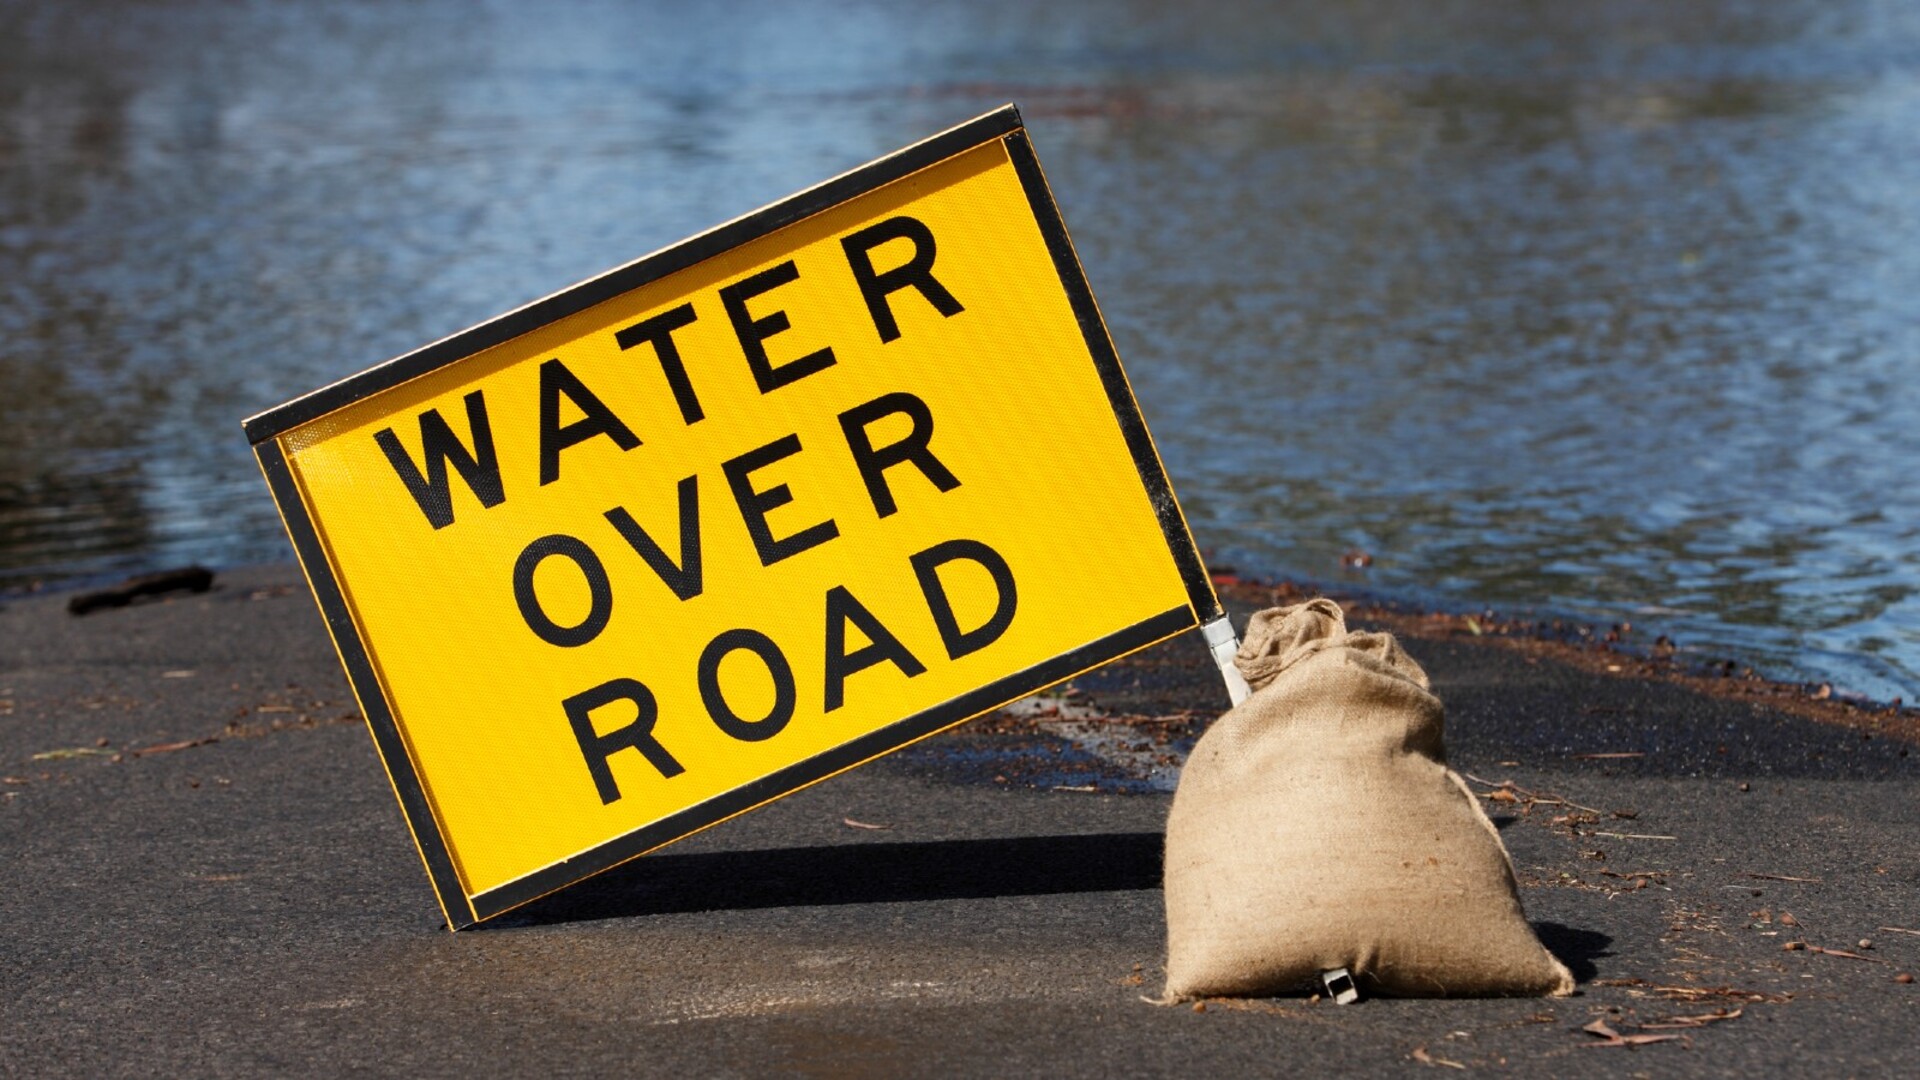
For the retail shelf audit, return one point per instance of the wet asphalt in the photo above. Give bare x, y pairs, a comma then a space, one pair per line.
250, 903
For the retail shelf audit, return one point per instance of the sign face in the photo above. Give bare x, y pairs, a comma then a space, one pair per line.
742, 514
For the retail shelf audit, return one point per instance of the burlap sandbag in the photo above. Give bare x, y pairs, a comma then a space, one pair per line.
1317, 826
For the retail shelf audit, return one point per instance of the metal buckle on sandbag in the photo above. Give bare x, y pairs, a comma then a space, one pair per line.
1222, 642
1340, 986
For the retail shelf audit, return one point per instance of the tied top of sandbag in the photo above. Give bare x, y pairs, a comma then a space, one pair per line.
1278, 638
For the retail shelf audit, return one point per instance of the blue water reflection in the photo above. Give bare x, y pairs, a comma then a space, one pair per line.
1604, 308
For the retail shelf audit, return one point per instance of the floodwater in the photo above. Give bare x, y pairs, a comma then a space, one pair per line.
1604, 310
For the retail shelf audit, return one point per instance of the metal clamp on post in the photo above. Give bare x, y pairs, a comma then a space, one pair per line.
1223, 643
1340, 986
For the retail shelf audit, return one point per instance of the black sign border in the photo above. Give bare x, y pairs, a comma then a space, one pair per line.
263, 430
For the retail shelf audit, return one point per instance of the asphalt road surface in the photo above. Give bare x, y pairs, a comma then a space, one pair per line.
251, 904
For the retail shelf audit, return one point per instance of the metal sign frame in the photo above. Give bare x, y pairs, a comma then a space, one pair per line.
264, 431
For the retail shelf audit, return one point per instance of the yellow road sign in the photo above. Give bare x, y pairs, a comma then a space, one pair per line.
744, 513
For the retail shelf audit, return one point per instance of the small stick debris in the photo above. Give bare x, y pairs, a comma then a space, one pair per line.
68, 753
1618, 755
1420, 1055
1639, 879
1900, 930
1634, 836
168, 748
1697, 993
1844, 953
852, 824
1699, 1021
1610, 1037
1516, 793
1783, 877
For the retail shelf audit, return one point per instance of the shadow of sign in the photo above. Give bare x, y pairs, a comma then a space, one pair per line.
867, 873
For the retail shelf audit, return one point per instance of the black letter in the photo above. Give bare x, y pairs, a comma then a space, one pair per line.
916, 271
659, 330
784, 694
755, 504
842, 609
753, 333
551, 632
684, 579
480, 469
926, 567
555, 380
873, 463
638, 735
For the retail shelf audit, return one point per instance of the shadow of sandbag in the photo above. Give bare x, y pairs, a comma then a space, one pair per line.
1578, 949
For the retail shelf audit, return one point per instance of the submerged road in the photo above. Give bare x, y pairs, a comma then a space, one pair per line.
207, 874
